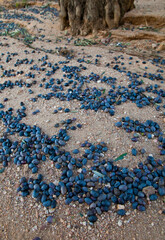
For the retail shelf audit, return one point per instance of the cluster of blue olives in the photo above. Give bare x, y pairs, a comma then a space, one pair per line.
149, 129
15, 30
20, 16
125, 186
90, 98
42, 11
106, 185
41, 191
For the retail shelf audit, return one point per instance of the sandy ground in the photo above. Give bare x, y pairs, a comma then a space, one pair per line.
24, 218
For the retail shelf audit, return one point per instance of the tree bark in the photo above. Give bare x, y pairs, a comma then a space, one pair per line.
89, 16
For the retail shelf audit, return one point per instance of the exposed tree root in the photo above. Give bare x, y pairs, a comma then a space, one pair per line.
86, 16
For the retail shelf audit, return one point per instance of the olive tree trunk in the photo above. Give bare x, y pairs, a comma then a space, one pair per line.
88, 16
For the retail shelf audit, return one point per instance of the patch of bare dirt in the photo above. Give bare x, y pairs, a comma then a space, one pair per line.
149, 13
